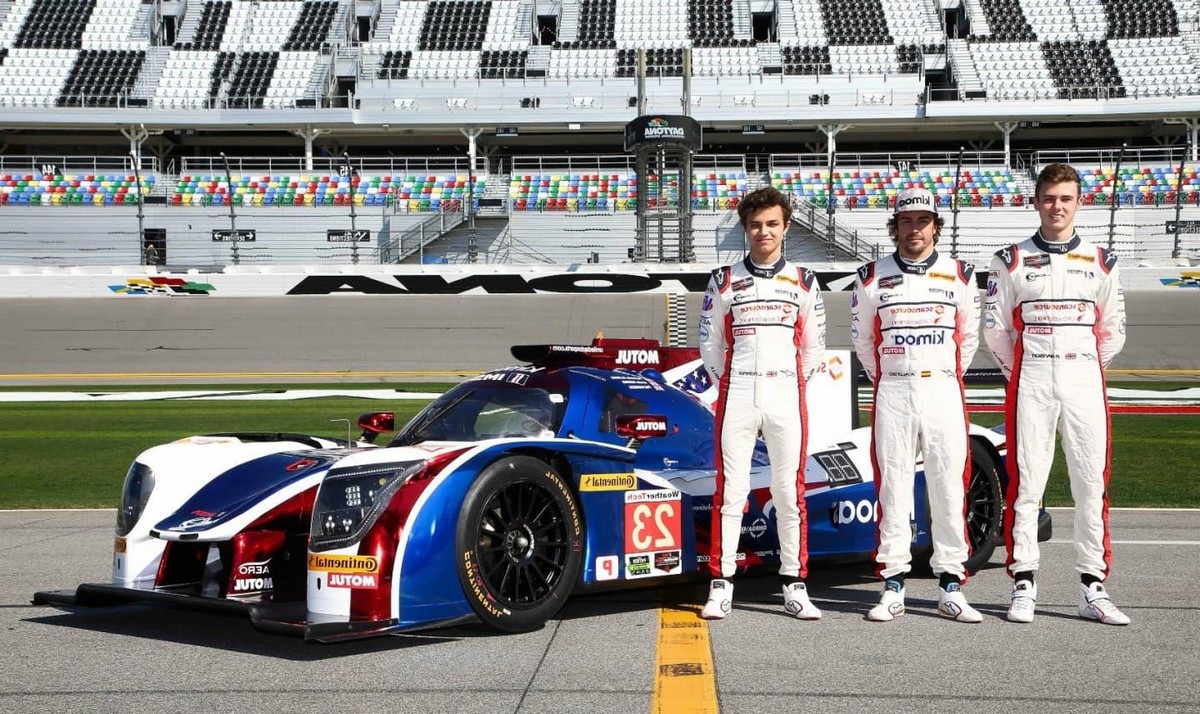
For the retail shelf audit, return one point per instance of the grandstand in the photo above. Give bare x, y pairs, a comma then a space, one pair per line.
489, 130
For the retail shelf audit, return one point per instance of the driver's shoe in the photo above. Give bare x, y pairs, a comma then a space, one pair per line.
720, 600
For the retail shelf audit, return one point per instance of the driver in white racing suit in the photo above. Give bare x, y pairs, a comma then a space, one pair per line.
762, 335
914, 321
1054, 319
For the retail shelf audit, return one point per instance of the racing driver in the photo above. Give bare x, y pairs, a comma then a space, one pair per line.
914, 322
1054, 319
762, 335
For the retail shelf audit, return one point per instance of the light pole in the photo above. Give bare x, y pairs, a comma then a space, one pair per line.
137, 179
1175, 251
1116, 198
353, 214
954, 205
232, 216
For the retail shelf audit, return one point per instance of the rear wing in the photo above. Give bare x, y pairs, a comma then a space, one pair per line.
830, 392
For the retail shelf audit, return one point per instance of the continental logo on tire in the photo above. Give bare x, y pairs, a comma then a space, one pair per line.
343, 563
566, 492
607, 482
478, 590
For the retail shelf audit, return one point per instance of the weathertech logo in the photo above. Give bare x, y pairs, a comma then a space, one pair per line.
159, 285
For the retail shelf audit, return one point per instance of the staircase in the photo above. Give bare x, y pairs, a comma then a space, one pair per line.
387, 18
966, 78
191, 22
769, 55
1191, 39
933, 15
568, 21
497, 188
141, 30
786, 12
743, 29
538, 60
152, 69
976, 17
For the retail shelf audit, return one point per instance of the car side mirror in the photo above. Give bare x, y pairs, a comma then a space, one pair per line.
639, 427
375, 423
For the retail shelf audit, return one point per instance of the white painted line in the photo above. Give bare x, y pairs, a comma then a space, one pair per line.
1135, 542
1132, 509
195, 395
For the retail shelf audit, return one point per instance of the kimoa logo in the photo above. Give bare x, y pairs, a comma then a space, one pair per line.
637, 357
923, 200
926, 339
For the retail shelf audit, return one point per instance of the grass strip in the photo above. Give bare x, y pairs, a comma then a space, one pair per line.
75, 454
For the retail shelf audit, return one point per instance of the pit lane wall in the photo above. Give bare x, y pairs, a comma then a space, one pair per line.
298, 281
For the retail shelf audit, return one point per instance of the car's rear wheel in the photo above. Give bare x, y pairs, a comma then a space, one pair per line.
519, 541
985, 507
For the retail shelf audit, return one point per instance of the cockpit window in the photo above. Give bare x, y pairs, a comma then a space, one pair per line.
474, 412
617, 404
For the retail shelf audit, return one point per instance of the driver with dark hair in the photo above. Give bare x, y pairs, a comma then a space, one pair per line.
762, 334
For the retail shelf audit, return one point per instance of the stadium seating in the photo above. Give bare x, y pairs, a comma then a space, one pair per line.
34, 188
1139, 186
619, 191
413, 193
878, 188
74, 53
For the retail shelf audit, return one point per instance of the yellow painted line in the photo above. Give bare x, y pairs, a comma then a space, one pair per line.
83, 376
685, 680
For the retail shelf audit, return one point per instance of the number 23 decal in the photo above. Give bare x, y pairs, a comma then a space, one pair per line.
652, 522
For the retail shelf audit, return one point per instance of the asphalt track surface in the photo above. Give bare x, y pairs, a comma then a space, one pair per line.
123, 340
599, 655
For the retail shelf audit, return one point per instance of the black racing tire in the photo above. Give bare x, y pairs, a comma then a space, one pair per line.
985, 507
519, 544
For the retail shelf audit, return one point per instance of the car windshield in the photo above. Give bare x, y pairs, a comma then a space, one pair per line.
474, 412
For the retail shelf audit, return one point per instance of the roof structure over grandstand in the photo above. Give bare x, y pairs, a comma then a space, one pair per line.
403, 71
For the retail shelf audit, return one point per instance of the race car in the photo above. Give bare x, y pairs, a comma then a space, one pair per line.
584, 468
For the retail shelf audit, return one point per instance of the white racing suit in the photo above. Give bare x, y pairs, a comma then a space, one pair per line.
1054, 319
915, 328
762, 334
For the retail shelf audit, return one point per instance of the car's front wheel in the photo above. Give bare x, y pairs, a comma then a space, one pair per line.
985, 507
520, 544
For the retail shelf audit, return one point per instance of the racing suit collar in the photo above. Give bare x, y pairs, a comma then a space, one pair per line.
761, 272
915, 267
1056, 247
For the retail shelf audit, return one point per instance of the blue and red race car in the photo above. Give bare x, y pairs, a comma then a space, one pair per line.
587, 467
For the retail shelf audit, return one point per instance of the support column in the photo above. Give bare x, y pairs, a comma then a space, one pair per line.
1193, 128
308, 133
1007, 128
472, 134
831, 131
136, 135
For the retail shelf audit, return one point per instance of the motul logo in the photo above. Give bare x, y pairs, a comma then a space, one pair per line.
353, 580
651, 426
637, 356
250, 585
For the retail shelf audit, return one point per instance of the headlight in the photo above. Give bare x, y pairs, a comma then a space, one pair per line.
139, 482
350, 501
